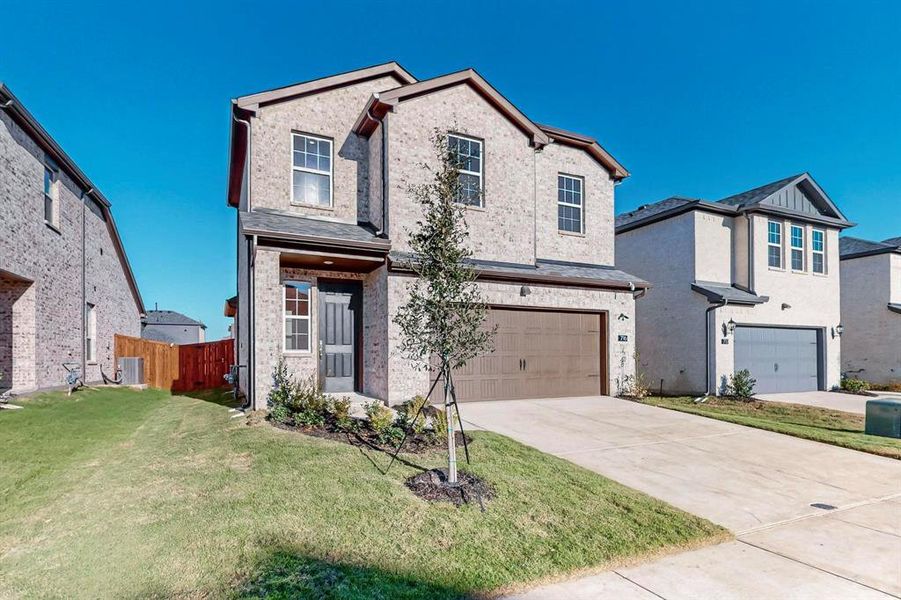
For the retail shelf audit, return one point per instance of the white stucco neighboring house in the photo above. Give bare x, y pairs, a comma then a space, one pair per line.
871, 309
750, 281
319, 175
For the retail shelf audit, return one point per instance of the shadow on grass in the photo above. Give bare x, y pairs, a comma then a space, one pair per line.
287, 574
223, 396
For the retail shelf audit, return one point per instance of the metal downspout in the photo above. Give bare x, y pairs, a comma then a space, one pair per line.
249, 392
707, 347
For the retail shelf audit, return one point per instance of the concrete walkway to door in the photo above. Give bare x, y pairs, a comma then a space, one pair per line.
775, 492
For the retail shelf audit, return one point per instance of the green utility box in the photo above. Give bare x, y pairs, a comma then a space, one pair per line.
884, 417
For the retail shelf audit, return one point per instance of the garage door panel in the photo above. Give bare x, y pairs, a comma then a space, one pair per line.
537, 354
780, 359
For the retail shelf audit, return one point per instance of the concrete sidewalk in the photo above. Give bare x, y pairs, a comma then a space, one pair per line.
811, 520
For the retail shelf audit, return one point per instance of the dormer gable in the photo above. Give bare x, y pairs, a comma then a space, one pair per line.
798, 194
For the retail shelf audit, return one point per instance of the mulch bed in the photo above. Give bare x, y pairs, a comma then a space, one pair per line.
432, 485
417, 443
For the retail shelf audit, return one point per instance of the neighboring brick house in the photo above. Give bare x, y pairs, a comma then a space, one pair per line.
172, 327
871, 309
319, 173
747, 282
65, 283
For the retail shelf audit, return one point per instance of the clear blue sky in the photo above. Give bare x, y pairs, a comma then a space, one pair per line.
695, 98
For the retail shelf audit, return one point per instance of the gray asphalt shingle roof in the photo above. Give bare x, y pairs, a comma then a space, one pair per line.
169, 317
757, 194
849, 246
649, 210
716, 291
265, 221
543, 269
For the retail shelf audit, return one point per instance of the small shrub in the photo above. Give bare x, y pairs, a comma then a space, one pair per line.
741, 384
391, 436
280, 413
309, 405
379, 417
282, 386
439, 423
854, 385
633, 386
411, 415
339, 409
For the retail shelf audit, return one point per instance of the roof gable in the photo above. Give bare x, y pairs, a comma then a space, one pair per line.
315, 86
384, 102
798, 193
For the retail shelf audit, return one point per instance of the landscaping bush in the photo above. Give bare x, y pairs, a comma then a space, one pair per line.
439, 423
854, 385
378, 416
411, 415
633, 386
309, 405
741, 384
282, 386
280, 413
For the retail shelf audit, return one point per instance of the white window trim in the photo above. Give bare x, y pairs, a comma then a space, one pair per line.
780, 245
90, 333
792, 248
331, 164
820, 252
53, 196
479, 173
581, 207
308, 317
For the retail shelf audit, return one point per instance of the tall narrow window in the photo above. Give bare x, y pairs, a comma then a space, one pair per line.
90, 333
569, 204
297, 316
51, 196
774, 244
797, 240
467, 152
818, 248
311, 170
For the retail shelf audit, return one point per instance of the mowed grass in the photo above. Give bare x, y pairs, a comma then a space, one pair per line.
116, 493
808, 422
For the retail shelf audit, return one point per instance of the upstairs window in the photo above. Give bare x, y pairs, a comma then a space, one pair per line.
569, 204
311, 170
467, 152
818, 239
51, 196
797, 241
297, 316
774, 244
90, 333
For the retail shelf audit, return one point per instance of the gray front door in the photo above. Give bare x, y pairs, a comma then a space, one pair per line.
339, 322
780, 359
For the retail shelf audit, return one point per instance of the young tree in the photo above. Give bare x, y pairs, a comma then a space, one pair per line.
444, 313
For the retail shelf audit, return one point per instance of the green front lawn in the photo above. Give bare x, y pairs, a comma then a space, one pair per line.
808, 422
114, 493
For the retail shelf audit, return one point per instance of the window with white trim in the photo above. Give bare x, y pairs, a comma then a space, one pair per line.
569, 204
51, 196
774, 244
311, 170
797, 247
90, 333
297, 316
818, 250
467, 152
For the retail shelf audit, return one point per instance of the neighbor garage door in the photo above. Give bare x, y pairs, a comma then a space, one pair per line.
538, 354
780, 359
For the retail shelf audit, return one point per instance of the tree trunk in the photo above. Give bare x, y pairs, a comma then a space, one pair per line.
451, 437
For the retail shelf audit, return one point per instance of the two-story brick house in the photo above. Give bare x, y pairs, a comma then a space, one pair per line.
319, 173
871, 309
747, 282
65, 283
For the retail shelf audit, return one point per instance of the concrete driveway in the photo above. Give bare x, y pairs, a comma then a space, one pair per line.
775, 492
834, 400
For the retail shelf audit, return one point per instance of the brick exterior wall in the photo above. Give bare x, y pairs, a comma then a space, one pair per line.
871, 342
518, 181
51, 311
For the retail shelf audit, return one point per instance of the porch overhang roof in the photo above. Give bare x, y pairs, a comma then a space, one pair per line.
723, 292
275, 225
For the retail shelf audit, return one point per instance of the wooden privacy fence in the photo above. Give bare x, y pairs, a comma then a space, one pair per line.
179, 368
